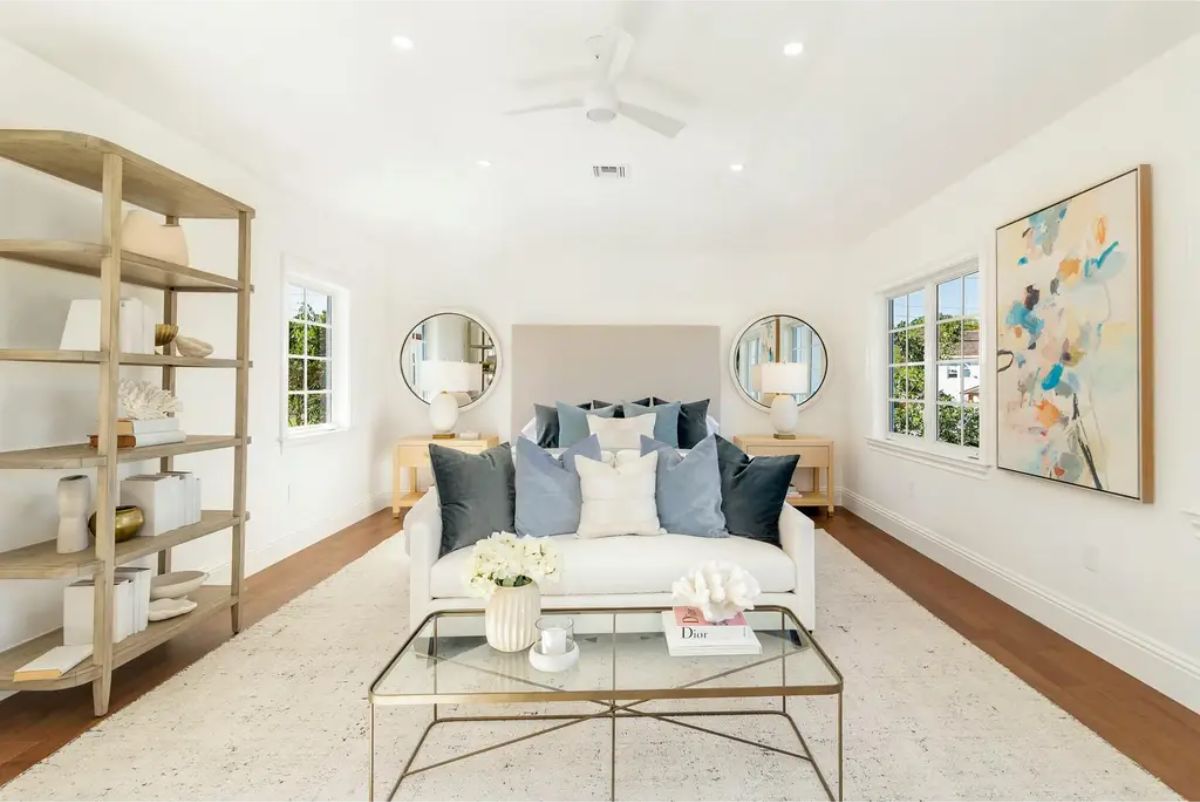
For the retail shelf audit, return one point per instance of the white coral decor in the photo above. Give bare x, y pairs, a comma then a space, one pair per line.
140, 400
720, 589
505, 560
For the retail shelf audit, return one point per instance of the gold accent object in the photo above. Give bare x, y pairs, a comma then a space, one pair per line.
129, 521
780, 436
447, 436
164, 333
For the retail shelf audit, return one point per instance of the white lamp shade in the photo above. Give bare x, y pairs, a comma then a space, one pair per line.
786, 378
445, 376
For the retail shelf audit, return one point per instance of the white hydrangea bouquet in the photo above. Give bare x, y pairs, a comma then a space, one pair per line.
720, 590
505, 560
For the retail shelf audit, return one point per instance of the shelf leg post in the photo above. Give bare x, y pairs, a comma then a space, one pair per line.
170, 316
106, 475
242, 404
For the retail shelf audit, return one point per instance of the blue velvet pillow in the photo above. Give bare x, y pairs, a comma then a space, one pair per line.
688, 492
666, 420
572, 422
548, 498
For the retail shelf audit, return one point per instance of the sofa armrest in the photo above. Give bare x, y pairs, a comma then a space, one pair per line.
797, 538
423, 541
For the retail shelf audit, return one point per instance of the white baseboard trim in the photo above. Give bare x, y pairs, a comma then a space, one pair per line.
1162, 667
285, 545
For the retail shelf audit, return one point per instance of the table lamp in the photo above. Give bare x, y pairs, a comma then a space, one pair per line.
784, 380
442, 379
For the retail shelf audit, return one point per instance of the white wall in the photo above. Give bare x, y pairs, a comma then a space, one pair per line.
1025, 539
297, 494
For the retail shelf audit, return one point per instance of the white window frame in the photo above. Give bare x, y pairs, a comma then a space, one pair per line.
299, 274
928, 449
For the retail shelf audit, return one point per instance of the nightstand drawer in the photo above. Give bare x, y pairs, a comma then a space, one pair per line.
417, 456
810, 456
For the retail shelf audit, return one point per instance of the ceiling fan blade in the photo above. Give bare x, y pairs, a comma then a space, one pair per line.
621, 48
572, 103
667, 126
578, 74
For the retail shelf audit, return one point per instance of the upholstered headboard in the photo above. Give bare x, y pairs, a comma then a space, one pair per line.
613, 363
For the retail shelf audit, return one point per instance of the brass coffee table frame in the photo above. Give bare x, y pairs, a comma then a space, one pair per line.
608, 699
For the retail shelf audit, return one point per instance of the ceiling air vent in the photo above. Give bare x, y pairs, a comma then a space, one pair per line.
610, 170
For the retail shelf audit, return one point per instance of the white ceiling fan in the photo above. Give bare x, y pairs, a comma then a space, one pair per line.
610, 52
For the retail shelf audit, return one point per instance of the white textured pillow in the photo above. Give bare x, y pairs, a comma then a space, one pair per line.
619, 433
618, 499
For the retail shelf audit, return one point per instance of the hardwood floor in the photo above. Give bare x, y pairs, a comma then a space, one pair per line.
34, 725
1158, 733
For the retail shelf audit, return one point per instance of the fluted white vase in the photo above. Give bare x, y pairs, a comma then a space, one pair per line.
74, 506
510, 617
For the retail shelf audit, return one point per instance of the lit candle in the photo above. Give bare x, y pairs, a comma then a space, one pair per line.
554, 640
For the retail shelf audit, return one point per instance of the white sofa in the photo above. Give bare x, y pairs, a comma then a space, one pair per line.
625, 571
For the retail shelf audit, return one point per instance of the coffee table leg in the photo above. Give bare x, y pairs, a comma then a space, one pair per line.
841, 779
371, 760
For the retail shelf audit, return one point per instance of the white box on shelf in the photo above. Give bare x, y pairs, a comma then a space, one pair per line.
192, 500
140, 609
161, 498
82, 329
79, 605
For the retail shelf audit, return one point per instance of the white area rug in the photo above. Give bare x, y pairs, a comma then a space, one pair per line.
280, 713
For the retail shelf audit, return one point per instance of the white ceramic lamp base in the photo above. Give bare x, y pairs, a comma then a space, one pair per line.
784, 415
443, 414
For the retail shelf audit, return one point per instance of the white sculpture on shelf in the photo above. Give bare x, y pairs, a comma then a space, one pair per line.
74, 506
190, 346
141, 400
720, 589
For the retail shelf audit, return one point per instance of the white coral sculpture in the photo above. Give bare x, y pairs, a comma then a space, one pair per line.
720, 589
139, 400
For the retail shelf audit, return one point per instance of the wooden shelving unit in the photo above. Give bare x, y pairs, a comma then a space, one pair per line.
120, 175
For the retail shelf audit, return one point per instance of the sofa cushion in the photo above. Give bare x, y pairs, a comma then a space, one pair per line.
634, 564
689, 488
753, 490
617, 499
548, 500
476, 491
572, 422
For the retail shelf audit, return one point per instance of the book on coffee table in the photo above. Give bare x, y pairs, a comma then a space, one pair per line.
689, 634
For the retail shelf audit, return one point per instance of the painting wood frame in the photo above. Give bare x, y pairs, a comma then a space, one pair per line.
1142, 305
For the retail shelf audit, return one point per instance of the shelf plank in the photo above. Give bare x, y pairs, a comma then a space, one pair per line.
42, 561
136, 268
94, 357
211, 599
78, 158
84, 456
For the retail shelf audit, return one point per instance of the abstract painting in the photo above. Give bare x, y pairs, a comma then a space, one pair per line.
1073, 340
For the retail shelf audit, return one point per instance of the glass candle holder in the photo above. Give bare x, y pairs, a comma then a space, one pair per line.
556, 634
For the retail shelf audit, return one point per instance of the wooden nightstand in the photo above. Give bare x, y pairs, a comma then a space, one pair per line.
816, 455
412, 453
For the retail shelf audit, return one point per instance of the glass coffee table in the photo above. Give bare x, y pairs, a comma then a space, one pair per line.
623, 666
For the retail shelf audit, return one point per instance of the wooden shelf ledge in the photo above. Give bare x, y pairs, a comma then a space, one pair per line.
210, 599
96, 357
79, 158
42, 560
84, 456
136, 268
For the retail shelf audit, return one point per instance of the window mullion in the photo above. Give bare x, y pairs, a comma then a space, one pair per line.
930, 364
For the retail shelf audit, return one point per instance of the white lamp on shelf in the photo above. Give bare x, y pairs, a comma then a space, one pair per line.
784, 380
442, 379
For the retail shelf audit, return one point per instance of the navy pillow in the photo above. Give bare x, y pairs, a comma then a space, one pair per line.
693, 419
753, 491
617, 411
546, 422
476, 491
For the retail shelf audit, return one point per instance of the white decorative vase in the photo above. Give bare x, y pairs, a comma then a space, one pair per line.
74, 506
511, 616
145, 233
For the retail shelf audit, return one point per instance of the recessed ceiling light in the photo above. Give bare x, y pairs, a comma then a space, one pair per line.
737, 167
402, 42
483, 164
793, 49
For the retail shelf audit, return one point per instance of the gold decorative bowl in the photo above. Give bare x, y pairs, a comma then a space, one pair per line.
165, 333
129, 521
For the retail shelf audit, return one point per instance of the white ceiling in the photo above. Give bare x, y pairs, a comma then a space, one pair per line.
889, 103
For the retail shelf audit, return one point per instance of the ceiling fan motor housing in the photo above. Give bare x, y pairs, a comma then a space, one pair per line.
601, 104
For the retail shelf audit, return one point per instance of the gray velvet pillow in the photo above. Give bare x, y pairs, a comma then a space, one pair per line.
548, 498
666, 420
476, 493
572, 422
689, 489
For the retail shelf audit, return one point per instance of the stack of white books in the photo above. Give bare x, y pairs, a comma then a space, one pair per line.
131, 606
689, 634
143, 433
168, 500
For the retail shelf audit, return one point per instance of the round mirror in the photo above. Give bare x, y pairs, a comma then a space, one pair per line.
450, 352
778, 354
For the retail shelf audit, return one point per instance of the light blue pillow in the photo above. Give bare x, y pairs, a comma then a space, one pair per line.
688, 492
548, 497
572, 422
666, 420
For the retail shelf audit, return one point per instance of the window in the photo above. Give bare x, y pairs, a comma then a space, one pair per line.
933, 360
316, 358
